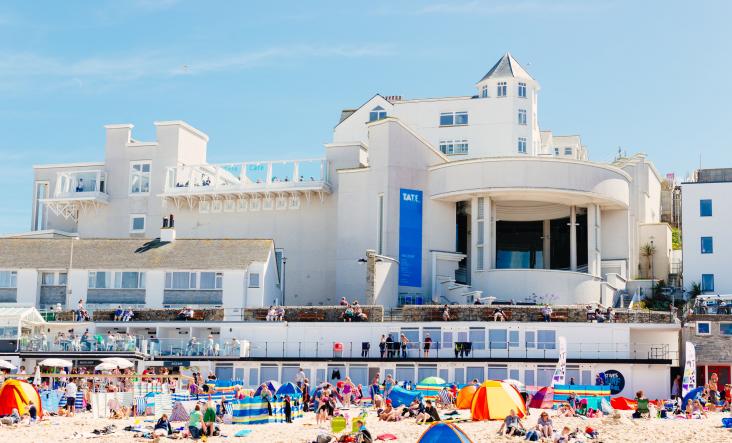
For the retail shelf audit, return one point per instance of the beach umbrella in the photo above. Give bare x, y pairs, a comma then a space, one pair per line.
104, 366
56, 363
516, 384
433, 381
118, 362
4, 364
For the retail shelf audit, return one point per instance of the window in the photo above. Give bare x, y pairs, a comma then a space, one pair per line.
530, 339
129, 280
522, 90
254, 280
522, 116
497, 372
193, 280
378, 113
556, 151
8, 279
447, 340
725, 328
477, 337
567, 151
529, 377
707, 245
62, 278
137, 223
47, 278
100, 280
498, 339
454, 147
513, 339
454, 118
140, 177
502, 90
707, 282
546, 339
704, 328
522, 145
484, 91
705, 208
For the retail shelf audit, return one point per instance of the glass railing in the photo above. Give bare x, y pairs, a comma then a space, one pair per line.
186, 348
80, 183
92, 344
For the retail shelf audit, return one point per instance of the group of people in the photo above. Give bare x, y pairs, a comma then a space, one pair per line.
353, 311
276, 313
186, 313
121, 314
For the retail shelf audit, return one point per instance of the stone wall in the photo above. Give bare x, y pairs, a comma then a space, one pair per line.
50, 295
711, 348
193, 297
153, 315
375, 313
116, 296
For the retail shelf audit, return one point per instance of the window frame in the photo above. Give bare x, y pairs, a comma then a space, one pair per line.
545, 345
521, 90
194, 280
708, 325
450, 147
523, 117
12, 279
707, 248
521, 145
502, 89
251, 283
132, 223
453, 118
111, 277
568, 150
730, 330
704, 287
484, 91
141, 174
378, 112
702, 212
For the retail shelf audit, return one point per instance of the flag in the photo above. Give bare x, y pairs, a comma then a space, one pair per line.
558, 378
689, 381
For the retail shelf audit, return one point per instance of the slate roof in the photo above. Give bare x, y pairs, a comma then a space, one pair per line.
34, 253
507, 66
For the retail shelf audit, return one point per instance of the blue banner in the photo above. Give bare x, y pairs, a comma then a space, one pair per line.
410, 238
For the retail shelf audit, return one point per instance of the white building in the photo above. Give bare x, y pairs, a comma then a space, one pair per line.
706, 217
461, 197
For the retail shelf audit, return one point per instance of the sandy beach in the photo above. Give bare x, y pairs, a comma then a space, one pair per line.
624, 429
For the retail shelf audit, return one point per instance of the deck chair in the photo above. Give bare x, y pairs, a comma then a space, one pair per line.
642, 408
337, 424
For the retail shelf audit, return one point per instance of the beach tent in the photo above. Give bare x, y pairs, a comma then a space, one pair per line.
272, 385
179, 412
17, 394
444, 433
254, 411
288, 389
494, 399
400, 396
694, 394
543, 399
465, 397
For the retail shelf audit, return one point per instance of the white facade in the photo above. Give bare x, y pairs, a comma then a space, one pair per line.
507, 211
707, 240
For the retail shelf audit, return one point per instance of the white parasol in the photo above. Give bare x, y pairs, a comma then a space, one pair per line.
6, 365
105, 366
516, 384
56, 363
117, 362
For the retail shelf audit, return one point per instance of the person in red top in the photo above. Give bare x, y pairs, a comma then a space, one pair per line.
427, 345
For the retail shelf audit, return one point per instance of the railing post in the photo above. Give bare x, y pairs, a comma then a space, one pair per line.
299, 349
283, 349
266, 350
317, 345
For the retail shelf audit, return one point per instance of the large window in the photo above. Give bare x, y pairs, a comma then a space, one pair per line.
454, 118
8, 279
725, 328
707, 282
707, 245
193, 280
546, 339
502, 89
522, 145
498, 339
703, 328
477, 337
522, 116
454, 147
254, 280
705, 208
140, 177
484, 91
378, 113
522, 90
116, 280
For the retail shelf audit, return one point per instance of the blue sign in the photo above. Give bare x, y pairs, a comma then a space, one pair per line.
615, 380
410, 238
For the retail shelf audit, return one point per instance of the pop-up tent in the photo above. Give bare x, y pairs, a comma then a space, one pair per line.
16, 394
694, 394
400, 396
272, 385
444, 433
288, 389
543, 399
494, 400
465, 397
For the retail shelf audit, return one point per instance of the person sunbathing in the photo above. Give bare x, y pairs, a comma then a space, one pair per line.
389, 413
697, 410
565, 410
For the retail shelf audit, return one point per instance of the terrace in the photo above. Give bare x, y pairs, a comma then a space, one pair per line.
77, 190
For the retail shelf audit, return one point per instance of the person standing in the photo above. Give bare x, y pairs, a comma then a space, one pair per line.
288, 409
404, 342
71, 390
427, 345
389, 342
676, 388
300, 378
382, 346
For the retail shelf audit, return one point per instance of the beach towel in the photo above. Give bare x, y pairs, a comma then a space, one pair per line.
385, 437
243, 433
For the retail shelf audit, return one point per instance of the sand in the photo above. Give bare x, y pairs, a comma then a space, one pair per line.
624, 429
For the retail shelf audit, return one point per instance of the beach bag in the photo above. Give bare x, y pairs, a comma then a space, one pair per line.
532, 435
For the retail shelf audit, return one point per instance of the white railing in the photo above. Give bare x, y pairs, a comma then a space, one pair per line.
74, 184
248, 176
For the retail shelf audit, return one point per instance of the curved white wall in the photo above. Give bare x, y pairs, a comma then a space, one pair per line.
519, 284
575, 182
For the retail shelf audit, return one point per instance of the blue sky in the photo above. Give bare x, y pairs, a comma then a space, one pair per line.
268, 79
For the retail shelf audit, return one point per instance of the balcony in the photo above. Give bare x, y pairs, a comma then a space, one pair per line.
76, 191
250, 186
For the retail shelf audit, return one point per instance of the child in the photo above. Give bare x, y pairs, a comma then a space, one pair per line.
288, 409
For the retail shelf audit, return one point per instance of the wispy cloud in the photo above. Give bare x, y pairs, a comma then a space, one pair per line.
495, 7
17, 68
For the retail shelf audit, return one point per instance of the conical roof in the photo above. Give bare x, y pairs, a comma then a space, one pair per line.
507, 66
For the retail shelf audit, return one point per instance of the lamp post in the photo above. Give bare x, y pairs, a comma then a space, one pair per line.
284, 279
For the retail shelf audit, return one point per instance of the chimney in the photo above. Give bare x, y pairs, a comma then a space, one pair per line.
167, 232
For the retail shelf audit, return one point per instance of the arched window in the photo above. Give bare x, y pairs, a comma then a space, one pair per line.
378, 113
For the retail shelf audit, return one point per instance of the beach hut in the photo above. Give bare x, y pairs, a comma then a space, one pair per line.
444, 433
494, 399
17, 394
288, 389
465, 397
272, 385
543, 399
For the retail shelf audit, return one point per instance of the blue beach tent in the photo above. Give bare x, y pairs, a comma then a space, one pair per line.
444, 433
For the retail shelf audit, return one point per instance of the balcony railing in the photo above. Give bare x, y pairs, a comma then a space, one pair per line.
284, 175
81, 184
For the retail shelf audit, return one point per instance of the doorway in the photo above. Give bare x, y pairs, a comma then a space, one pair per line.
723, 373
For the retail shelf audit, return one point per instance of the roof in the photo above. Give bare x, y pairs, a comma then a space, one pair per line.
36, 253
12, 314
507, 66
